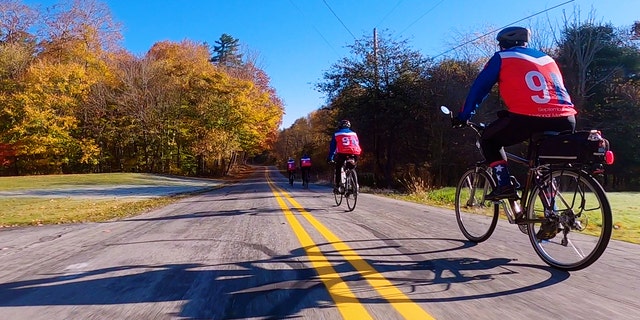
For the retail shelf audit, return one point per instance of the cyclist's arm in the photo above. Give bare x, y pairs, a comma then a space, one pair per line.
481, 87
332, 147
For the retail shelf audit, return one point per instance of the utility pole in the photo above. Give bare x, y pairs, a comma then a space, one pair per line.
376, 107
375, 59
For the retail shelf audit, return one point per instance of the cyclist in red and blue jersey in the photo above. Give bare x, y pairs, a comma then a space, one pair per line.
305, 166
344, 144
533, 91
291, 168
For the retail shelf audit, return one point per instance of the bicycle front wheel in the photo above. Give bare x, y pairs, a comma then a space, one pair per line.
351, 190
477, 217
581, 220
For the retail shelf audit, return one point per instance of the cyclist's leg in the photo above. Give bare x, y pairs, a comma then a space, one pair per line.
509, 129
339, 159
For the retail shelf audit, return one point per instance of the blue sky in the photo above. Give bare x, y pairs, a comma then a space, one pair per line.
296, 41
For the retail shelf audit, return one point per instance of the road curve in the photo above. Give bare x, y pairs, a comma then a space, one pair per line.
260, 249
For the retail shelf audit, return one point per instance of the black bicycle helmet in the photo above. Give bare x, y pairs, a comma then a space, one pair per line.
344, 124
513, 36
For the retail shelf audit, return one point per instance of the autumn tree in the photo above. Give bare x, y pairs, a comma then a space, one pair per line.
17, 44
16, 20
17, 52
45, 110
74, 101
198, 115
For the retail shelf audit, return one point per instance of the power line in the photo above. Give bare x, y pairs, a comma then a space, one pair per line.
314, 28
422, 16
490, 32
389, 13
325, 2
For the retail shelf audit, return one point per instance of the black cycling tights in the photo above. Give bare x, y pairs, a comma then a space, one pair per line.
510, 129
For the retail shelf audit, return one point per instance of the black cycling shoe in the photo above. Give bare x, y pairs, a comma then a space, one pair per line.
548, 230
502, 192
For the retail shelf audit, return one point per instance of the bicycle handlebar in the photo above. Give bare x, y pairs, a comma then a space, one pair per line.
478, 127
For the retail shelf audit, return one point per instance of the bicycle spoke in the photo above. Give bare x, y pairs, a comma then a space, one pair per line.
579, 252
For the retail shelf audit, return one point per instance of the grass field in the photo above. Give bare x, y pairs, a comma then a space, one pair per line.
625, 207
25, 210
31, 211
55, 181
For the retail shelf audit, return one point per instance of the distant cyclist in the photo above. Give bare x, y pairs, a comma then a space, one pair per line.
344, 144
305, 167
291, 169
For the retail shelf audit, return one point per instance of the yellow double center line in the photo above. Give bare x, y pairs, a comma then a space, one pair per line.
346, 302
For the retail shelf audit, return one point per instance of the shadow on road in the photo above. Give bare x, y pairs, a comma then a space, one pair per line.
277, 287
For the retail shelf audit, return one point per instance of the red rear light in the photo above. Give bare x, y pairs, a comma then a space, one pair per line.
608, 157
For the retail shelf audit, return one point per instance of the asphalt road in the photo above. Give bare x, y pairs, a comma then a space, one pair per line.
259, 249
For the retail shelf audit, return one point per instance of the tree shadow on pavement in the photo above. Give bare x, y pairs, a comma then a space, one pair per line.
277, 287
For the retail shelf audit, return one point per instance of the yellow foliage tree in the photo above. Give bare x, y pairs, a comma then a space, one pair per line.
43, 116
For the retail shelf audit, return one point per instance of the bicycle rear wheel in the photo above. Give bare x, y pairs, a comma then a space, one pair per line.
582, 216
477, 217
351, 189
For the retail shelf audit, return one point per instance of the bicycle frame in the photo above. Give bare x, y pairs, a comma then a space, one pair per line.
532, 177
533, 173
